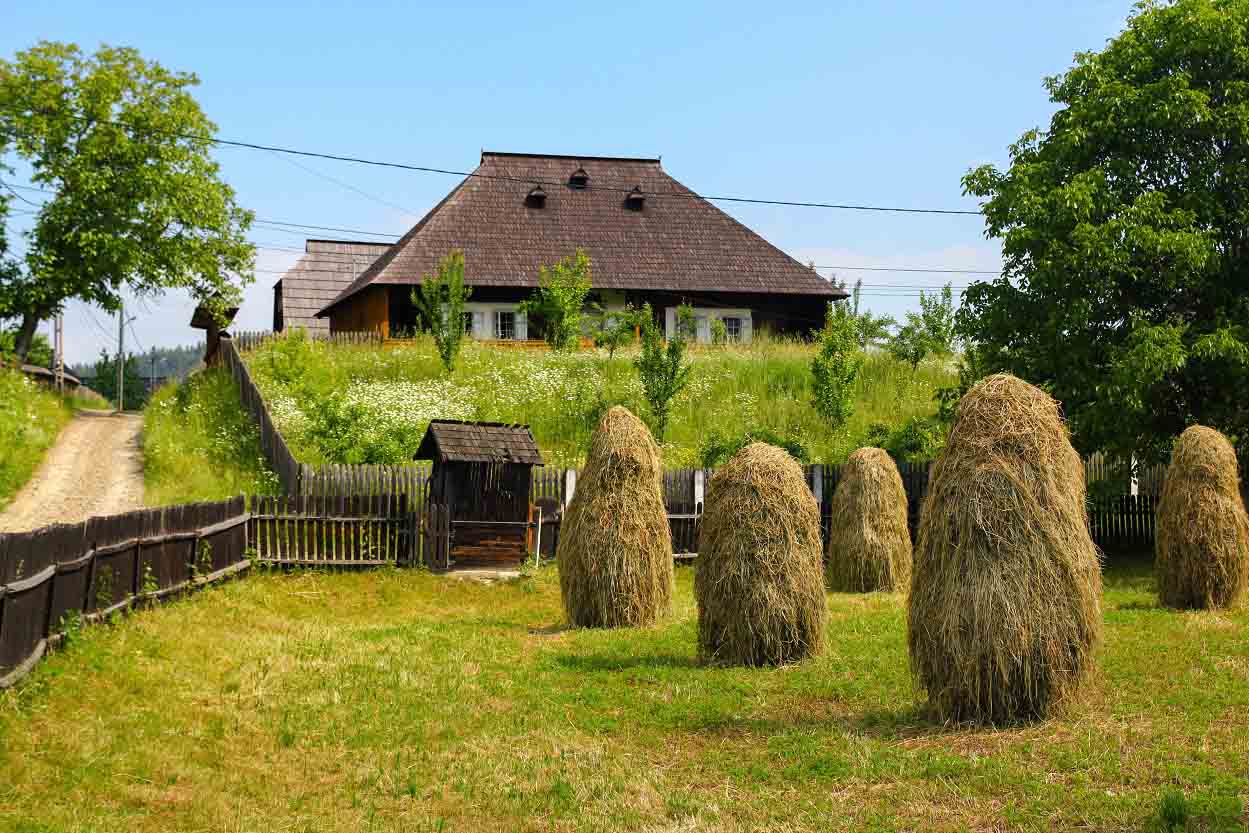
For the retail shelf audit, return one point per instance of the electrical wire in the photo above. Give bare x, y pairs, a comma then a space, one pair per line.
359, 160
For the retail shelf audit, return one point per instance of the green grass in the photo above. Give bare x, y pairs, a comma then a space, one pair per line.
200, 444
401, 387
31, 417
398, 700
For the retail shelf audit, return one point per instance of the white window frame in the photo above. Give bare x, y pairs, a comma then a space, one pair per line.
702, 319
485, 320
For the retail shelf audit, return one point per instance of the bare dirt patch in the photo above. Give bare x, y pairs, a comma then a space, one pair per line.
95, 468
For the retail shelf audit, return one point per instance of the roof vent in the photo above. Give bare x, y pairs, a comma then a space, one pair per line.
579, 179
635, 199
536, 198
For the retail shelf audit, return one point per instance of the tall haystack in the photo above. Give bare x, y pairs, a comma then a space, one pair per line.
615, 546
1005, 604
1202, 548
760, 583
869, 543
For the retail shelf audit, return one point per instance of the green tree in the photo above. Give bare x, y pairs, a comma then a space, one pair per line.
440, 301
936, 318
136, 198
560, 298
613, 329
873, 330
836, 367
661, 366
40, 352
911, 343
105, 382
1122, 227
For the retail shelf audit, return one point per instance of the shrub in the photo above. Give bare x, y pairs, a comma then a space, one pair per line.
440, 301
760, 582
661, 366
718, 448
1202, 546
615, 546
559, 299
836, 368
1005, 603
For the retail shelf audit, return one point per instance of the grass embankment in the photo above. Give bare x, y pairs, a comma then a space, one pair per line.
31, 417
396, 390
429, 704
200, 444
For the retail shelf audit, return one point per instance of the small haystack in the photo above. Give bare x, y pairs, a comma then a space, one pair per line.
869, 543
1202, 549
615, 546
1005, 604
760, 582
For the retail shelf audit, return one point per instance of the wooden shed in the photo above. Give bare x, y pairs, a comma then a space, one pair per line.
483, 474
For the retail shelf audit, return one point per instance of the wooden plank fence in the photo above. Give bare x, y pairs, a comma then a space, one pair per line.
1117, 518
86, 571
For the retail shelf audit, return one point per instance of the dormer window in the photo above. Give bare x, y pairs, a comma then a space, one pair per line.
635, 199
579, 179
536, 198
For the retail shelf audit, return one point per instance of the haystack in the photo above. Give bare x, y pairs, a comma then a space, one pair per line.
1005, 604
760, 583
1202, 548
615, 546
869, 543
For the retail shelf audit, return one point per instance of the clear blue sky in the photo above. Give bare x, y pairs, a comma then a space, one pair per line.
881, 103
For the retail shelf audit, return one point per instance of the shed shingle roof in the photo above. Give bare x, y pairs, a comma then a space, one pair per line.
678, 242
478, 442
325, 269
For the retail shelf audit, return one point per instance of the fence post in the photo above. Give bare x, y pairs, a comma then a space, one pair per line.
570, 485
817, 484
700, 489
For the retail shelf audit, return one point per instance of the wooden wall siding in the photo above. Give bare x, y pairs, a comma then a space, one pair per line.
367, 310
91, 569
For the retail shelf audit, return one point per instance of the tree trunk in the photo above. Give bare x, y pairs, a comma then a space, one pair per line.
25, 335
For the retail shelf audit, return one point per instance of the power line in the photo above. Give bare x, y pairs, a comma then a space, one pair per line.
346, 185
359, 160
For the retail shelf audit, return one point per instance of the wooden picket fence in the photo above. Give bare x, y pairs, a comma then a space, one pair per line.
55, 577
272, 444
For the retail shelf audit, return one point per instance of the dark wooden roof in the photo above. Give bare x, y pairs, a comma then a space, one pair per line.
326, 269
478, 442
202, 319
678, 242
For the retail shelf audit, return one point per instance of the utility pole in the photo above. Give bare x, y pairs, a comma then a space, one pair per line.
58, 339
121, 354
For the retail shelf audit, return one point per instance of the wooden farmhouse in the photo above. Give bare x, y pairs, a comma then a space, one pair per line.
482, 473
650, 240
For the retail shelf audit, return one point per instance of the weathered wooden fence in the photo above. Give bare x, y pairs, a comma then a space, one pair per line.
277, 453
52, 577
1117, 519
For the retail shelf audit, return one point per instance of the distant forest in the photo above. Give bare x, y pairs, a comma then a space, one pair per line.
160, 362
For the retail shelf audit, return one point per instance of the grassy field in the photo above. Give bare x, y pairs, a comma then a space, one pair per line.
31, 417
429, 704
199, 444
396, 390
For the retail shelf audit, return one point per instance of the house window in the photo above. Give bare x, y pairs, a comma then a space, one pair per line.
505, 325
733, 328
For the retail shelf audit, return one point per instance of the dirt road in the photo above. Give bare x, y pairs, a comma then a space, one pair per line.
95, 468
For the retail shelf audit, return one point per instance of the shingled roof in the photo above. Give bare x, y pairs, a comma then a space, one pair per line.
325, 269
478, 442
677, 241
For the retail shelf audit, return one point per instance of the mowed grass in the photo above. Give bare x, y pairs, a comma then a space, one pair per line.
762, 385
399, 700
199, 443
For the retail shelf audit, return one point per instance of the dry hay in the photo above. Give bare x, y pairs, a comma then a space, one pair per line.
615, 546
1005, 604
1202, 546
869, 543
760, 582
